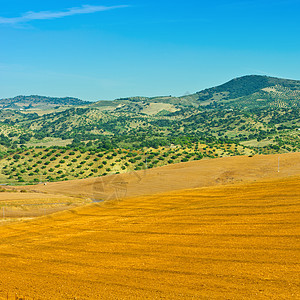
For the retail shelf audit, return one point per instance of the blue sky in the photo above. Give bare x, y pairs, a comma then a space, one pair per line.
97, 50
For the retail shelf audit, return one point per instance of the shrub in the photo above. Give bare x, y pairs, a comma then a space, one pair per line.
16, 156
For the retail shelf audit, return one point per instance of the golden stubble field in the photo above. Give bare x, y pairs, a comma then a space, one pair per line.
227, 242
16, 205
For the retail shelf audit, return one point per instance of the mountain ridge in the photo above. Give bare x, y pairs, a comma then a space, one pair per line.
239, 92
37, 101
245, 91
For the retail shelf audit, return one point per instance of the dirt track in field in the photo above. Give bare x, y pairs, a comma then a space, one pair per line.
226, 242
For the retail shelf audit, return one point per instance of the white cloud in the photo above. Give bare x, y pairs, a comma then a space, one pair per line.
47, 15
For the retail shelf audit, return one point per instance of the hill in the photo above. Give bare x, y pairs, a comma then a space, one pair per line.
230, 242
251, 91
245, 116
44, 164
180, 201
35, 102
244, 92
186, 175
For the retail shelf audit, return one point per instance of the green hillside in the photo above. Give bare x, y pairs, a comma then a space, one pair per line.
39, 102
251, 91
257, 114
244, 92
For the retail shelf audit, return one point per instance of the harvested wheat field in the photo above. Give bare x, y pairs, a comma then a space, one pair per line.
226, 242
16, 205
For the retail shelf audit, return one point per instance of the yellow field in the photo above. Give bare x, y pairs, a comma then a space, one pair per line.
227, 242
15, 205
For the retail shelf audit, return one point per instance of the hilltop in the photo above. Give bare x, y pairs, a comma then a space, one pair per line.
244, 92
251, 91
34, 102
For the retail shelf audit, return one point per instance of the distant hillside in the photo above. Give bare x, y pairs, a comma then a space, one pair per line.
39, 102
251, 91
259, 112
244, 92
247, 92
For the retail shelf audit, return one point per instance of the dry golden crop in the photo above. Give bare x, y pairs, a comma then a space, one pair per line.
19, 205
227, 242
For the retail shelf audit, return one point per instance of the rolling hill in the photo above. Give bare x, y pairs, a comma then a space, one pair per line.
186, 175
244, 92
252, 91
247, 115
35, 102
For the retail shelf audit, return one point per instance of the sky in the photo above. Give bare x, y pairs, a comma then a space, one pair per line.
107, 49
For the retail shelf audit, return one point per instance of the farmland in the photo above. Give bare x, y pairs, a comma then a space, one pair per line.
187, 175
52, 164
236, 241
18, 205
205, 229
